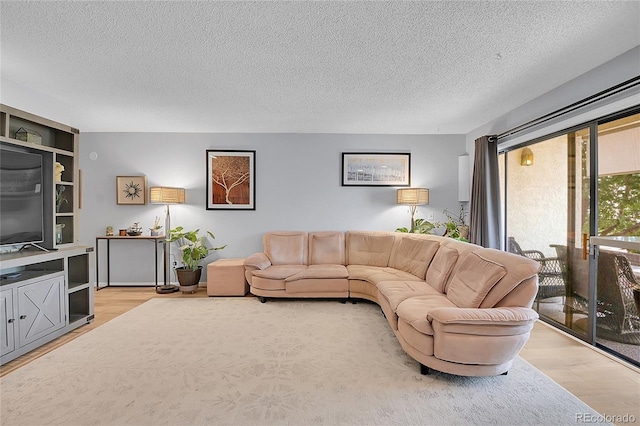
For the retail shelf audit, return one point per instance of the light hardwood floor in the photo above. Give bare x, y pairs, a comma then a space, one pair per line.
608, 386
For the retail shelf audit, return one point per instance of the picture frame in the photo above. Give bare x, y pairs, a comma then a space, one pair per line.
131, 190
376, 169
231, 180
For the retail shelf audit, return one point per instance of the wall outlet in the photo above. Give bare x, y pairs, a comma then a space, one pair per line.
430, 216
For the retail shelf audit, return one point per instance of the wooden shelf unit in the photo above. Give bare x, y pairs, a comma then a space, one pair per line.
44, 295
59, 144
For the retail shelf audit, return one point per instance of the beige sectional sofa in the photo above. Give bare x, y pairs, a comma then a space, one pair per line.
455, 307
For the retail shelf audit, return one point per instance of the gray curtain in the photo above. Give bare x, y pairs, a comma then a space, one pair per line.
484, 228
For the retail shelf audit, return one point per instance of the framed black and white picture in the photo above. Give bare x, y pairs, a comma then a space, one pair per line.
376, 169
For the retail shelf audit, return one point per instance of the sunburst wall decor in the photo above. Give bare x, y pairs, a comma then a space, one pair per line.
131, 190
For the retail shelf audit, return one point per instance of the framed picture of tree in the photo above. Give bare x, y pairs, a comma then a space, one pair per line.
231, 180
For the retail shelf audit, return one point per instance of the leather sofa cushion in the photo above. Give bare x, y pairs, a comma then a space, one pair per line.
519, 269
375, 275
473, 281
395, 292
326, 247
414, 311
319, 286
413, 255
286, 247
320, 272
369, 248
440, 267
267, 284
279, 272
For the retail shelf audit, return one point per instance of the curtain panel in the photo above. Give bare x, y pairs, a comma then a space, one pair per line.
485, 228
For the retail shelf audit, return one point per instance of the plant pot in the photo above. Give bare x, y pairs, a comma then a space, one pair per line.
59, 227
188, 279
464, 231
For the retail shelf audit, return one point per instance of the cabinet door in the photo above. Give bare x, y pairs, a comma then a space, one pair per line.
40, 309
7, 322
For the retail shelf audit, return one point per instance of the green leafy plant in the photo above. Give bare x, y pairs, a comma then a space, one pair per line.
453, 231
420, 226
456, 228
60, 198
193, 247
156, 225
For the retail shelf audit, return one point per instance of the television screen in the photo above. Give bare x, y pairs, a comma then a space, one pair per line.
21, 198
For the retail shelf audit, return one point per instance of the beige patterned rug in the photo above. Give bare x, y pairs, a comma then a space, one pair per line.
235, 361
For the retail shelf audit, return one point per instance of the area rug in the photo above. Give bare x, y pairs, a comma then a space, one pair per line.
235, 361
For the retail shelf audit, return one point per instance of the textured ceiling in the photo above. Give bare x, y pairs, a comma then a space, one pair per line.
305, 67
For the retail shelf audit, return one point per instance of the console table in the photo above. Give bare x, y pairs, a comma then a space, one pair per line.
156, 240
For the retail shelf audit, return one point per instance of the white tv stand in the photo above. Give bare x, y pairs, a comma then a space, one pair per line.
43, 295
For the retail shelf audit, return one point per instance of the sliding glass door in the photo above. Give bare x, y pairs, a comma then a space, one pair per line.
618, 270
558, 192
548, 218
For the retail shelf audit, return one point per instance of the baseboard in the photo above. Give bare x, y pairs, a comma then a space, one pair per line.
103, 284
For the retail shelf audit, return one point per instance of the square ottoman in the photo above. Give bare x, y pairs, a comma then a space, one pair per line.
225, 277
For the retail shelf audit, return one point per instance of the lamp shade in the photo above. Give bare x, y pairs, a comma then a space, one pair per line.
413, 196
166, 195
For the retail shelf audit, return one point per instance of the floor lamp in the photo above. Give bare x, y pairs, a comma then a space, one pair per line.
166, 195
413, 197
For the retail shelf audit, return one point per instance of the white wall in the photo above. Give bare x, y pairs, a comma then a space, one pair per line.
616, 71
298, 187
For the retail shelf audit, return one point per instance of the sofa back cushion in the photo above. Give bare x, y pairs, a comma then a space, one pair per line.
464, 249
473, 280
413, 255
440, 267
369, 248
286, 247
326, 248
518, 287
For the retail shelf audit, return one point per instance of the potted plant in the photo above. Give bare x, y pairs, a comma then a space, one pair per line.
155, 229
194, 248
420, 226
60, 198
456, 228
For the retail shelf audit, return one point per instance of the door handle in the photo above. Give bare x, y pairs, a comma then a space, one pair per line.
10, 320
585, 248
23, 316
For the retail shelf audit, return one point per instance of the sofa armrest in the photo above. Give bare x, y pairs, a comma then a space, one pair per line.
488, 316
480, 336
257, 261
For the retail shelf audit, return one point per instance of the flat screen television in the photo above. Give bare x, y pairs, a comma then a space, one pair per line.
21, 197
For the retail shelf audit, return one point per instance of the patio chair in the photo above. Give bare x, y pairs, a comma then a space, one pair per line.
552, 276
629, 320
616, 311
